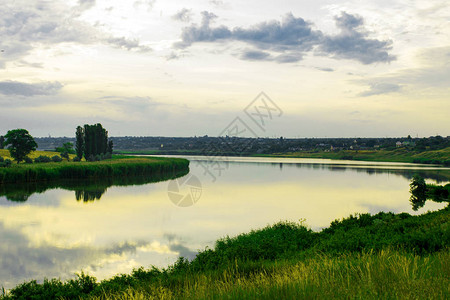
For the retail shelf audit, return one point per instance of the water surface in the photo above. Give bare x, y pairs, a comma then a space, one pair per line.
105, 230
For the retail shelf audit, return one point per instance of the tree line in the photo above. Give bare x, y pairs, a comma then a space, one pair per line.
92, 143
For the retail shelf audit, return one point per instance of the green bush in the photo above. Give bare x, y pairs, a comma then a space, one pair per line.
56, 158
28, 160
1, 159
42, 159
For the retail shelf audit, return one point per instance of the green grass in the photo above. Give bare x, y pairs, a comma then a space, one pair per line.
397, 155
5, 154
116, 167
387, 256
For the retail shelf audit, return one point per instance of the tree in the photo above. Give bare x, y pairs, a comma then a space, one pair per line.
21, 143
66, 148
418, 189
79, 147
95, 140
110, 147
2, 142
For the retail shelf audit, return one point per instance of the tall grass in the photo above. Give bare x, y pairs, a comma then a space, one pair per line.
387, 274
89, 170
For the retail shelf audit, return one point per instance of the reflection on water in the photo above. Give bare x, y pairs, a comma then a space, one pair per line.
45, 232
85, 190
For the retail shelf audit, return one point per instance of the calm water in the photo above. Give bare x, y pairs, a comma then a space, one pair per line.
117, 228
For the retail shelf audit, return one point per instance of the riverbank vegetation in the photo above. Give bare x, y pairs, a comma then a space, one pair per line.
363, 256
438, 157
115, 167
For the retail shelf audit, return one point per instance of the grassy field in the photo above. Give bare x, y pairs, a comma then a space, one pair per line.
397, 155
5, 154
387, 256
117, 167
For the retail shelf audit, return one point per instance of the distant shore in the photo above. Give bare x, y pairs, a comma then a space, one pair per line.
437, 157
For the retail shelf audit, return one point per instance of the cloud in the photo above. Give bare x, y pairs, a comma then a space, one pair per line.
353, 42
144, 3
184, 15
29, 89
291, 38
430, 77
378, 88
128, 44
25, 25
256, 55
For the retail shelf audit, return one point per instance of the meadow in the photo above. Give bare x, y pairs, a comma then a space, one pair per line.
441, 156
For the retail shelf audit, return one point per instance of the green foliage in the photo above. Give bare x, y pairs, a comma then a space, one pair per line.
1, 159
79, 146
421, 192
89, 170
66, 148
56, 158
2, 142
370, 257
5, 163
28, 160
95, 140
20, 142
42, 159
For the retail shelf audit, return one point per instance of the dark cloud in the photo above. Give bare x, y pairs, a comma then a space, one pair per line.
292, 38
184, 15
29, 89
325, 69
256, 55
378, 88
353, 42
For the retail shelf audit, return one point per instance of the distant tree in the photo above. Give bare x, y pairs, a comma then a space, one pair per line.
21, 143
2, 142
79, 147
65, 150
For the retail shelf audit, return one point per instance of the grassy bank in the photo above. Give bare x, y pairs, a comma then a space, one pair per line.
397, 155
369, 257
116, 167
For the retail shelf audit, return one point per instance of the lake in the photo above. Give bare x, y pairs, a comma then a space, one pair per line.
105, 229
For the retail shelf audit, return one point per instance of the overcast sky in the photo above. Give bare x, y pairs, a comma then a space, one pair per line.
370, 68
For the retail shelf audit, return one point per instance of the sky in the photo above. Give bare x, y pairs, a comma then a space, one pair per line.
193, 68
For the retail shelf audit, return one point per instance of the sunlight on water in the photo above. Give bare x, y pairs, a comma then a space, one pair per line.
53, 235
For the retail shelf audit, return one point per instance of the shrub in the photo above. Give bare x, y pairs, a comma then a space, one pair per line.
1, 159
76, 159
56, 158
28, 160
6, 163
98, 157
42, 159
